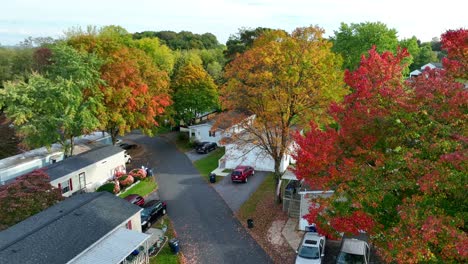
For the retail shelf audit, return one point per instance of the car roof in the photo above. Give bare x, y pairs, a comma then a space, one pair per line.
311, 239
354, 246
131, 197
241, 167
151, 203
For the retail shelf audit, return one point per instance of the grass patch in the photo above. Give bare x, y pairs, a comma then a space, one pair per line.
166, 256
143, 188
262, 208
163, 130
265, 191
227, 170
206, 165
183, 142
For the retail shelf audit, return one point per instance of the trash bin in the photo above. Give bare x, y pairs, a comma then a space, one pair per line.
149, 172
250, 223
212, 178
174, 245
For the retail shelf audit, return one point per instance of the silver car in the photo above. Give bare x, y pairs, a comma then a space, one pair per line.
311, 249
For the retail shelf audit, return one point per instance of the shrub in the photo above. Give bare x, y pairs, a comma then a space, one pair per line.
138, 174
119, 174
126, 180
183, 136
107, 187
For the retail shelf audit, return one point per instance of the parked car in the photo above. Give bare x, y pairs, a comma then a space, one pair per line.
311, 249
135, 199
152, 210
242, 173
205, 147
354, 249
128, 146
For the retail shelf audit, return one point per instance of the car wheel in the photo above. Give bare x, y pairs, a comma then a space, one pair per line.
206, 151
164, 211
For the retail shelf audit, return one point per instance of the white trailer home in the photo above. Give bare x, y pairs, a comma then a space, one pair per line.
87, 171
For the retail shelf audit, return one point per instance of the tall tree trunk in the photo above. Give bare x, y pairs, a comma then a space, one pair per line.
278, 181
72, 145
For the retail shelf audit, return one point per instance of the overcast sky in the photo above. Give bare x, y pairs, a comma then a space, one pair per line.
423, 18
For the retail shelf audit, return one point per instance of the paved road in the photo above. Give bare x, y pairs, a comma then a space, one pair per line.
235, 194
206, 227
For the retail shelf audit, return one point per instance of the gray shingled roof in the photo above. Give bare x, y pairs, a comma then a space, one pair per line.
61, 232
80, 161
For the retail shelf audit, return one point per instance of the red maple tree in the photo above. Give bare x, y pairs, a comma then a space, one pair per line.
396, 157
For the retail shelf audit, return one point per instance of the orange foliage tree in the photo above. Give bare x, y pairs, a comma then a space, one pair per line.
136, 91
284, 80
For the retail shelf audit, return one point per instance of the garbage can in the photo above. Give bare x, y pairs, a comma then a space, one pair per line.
174, 245
212, 178
250, 223
149, 172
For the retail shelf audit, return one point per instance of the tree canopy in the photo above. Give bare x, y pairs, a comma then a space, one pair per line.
184, 40
25, 197
354, 40
396, 158
59, 105
194, 92
285, 80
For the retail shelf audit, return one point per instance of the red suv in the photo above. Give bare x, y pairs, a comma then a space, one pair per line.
241, 173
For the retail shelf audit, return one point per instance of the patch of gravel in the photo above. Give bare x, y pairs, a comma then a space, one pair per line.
274, 233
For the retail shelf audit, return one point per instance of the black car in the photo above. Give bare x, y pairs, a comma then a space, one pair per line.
151, 211
205, 147
128, 146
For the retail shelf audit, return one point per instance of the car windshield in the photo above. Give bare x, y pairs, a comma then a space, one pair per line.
309, 252
345, 258
146, 212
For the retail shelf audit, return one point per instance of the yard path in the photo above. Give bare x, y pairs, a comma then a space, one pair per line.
207, 229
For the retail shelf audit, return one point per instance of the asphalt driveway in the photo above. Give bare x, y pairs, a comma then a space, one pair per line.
235, 194
205, 225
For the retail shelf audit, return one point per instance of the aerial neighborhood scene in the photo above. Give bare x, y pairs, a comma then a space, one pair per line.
180, 132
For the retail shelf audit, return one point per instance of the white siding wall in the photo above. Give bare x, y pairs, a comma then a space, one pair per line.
252, 156
96, 174
136, 222
202, 133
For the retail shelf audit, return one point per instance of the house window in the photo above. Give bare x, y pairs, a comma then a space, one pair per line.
128, 225
212, 133
66, 186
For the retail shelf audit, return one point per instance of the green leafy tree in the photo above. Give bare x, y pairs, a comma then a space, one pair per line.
194, 92
354, 40
412, 46
242, 41
162, 56
25, 197
426, 55
56, 107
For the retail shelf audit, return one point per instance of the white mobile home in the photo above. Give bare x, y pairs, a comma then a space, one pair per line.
85, 172
20, 164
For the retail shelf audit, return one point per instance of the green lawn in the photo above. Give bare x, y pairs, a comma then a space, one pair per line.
265, 190
166, 256
143, 188
183, 143
207, 164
